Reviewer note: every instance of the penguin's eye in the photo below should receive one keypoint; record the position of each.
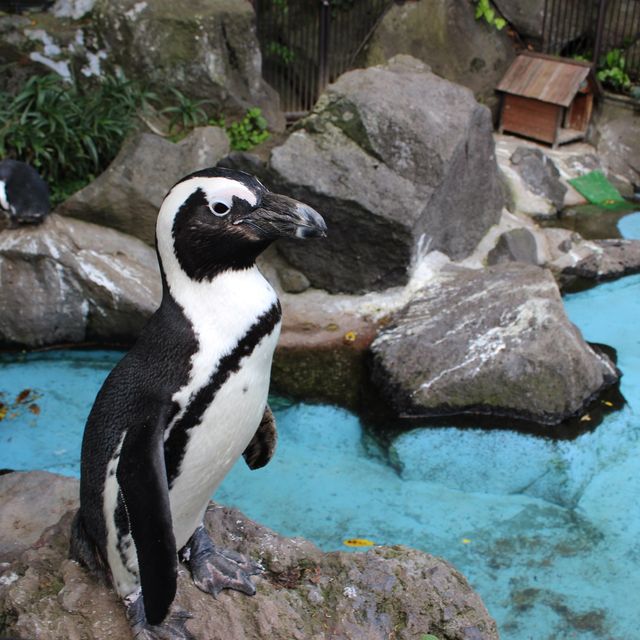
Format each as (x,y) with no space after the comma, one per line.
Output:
(220,208)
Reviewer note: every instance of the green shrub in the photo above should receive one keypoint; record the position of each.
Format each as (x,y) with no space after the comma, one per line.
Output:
(612,70)
(485,11)
(248,132)
(70,134)
(186,113)
(67,134)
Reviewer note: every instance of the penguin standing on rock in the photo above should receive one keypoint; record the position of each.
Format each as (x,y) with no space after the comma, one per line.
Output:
(187,400)
(24,195)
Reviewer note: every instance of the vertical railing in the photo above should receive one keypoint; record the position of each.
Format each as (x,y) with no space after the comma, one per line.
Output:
(306,44)
(591,28)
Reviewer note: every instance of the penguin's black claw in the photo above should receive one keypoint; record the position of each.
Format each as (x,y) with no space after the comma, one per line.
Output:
(172,628)
(215,569)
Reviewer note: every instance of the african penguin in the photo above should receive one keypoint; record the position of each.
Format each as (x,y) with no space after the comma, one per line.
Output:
(187,400)
(24,195)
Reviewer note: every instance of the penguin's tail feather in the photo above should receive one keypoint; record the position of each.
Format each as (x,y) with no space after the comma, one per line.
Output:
(82,549)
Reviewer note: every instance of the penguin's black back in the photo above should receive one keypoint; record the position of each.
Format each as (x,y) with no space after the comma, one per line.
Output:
(26,192)
(141,385)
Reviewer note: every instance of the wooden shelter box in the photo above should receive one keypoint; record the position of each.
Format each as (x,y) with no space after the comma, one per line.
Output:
(547,98)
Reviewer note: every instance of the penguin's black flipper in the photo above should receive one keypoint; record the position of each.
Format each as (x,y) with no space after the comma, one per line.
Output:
(263,444)
(143,481)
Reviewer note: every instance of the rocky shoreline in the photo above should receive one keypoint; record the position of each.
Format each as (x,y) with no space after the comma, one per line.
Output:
(303,592)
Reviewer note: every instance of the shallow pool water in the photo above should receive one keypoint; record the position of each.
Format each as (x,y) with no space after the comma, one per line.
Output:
(547,532)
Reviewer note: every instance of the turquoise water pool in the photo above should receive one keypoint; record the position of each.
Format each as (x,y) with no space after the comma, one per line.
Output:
(547,532)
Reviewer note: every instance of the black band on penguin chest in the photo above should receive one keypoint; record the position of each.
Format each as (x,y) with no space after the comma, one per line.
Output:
(176,444)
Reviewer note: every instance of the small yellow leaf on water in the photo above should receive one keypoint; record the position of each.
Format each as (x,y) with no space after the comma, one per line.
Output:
(350,336)
(585,418)
(357,542)
(3,411)
(606,403)
(466,541)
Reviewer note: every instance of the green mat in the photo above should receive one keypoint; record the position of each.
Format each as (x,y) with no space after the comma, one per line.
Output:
(598,190)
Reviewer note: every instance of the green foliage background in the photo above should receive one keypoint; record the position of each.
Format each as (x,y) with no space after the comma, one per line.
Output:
(71,134)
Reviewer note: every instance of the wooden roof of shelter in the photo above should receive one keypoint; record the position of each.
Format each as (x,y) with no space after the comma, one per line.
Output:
(546,78)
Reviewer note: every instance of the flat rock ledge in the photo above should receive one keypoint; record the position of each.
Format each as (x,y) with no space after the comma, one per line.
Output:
(68,281)
(610,260)
(305,594)
(495,342)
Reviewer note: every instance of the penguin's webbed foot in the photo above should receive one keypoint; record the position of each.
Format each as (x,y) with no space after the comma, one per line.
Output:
(172,628)
(214,569)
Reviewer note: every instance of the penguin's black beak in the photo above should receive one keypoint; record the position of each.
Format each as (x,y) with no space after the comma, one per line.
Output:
(280,216)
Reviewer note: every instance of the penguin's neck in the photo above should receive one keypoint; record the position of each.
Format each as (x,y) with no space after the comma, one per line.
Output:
(222,309)
(221,312)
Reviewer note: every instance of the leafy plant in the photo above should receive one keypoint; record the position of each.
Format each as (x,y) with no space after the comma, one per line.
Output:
(186,113)
(246,133)
(486,12)
(67,134)
(612,71)
(70,134)
(281,51)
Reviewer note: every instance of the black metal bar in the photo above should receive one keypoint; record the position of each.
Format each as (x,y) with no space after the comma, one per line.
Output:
(615,32)
(597,47)
(545,24)
(573,25)
(633,63)
(323,45)
(555,27)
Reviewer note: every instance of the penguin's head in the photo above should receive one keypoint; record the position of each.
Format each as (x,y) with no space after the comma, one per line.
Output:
(219,219)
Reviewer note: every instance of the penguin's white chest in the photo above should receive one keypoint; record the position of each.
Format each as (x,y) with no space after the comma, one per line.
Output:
(234,357)
(215,444)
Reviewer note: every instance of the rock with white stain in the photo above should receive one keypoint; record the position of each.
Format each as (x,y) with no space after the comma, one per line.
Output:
(75,9)
(395,171)
(536,177)
(71,281)
(128,195)
(540,175)
(496,342)
(303,594)
(610,259)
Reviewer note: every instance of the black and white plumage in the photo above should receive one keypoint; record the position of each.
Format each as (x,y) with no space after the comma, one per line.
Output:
(188,399)
(24,195)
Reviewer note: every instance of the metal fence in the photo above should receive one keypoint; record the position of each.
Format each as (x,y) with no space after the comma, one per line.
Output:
(308,43)
(594,29)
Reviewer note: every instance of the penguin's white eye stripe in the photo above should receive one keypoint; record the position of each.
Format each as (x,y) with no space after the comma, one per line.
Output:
(219,208)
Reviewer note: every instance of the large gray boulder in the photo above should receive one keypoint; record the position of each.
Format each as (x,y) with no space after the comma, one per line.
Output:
(206,49)
(129,193)
(525,16)
(69,281)
(540,175)
(303,594)
(445,35)
(400,162)
(536,178)
(495,341)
